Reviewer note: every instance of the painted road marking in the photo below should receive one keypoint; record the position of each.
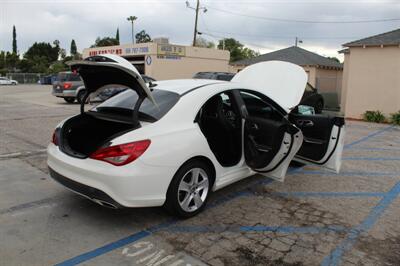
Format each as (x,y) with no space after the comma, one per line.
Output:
(330,194)
(335,256)
(148,254)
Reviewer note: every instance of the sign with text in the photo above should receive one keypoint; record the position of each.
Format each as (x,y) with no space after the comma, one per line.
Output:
(168,49)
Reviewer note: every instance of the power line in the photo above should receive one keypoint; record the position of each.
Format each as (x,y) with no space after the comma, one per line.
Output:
(281,36)
(303,21)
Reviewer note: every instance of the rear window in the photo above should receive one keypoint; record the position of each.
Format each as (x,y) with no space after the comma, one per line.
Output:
(127,99)
(68,77)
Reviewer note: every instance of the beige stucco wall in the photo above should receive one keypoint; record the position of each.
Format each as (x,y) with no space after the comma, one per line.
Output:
(345,78)
(372,81)
(328,80)
(311,73)
(196,60)
(163,66)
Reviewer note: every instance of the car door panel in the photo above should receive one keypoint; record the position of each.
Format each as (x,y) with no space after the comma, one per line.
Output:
(270,145)
(323,139)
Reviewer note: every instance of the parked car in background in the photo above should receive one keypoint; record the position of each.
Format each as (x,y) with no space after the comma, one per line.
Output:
(214,75)
(174,143)
(7,81)
(68,86)
(48,80)
(311,96)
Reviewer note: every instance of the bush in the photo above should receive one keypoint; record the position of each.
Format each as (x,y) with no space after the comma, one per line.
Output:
(395,118)
(374,116)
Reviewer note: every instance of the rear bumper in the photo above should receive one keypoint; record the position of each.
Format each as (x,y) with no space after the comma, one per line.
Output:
(133,185)
(64,93)
(91,193)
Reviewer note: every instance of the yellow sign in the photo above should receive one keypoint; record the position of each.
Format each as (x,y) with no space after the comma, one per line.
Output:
(168,49)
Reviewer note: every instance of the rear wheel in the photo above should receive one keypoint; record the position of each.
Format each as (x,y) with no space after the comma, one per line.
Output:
(80,96)
(69,99)
(189,189)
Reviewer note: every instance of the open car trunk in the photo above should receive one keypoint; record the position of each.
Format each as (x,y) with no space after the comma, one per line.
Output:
(83,134)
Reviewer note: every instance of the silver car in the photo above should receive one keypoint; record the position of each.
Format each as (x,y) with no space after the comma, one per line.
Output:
(69,86)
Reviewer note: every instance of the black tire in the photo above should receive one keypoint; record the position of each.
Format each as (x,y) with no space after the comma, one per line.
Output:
(69,99)
(172,204)
(319,106)
(80,96)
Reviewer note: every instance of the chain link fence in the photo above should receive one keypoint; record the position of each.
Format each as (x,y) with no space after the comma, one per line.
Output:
(26,78)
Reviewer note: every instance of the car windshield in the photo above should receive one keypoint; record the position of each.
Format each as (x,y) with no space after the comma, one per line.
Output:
(125,102)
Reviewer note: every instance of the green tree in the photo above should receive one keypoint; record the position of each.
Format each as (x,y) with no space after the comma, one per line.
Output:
(334,59)
(202,42)
(8,62)
(142,37)
(40,56)
(14,41)
(106,41)
(236,49)
(117,36)
(45,50)
(73,49)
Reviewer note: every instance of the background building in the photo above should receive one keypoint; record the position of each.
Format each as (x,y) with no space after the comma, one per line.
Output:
(323,73)
(162,60)
(371,77)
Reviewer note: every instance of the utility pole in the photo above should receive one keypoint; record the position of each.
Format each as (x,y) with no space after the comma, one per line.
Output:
(195,23)
(297,41)
(197,16)
(132,19)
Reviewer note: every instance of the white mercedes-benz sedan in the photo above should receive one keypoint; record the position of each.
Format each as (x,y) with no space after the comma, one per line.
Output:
(173,142)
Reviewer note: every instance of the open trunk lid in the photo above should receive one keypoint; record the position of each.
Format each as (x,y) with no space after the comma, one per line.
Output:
(107,69)
(281,81)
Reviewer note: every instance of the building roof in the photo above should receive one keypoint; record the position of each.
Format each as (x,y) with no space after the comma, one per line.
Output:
(295,55)
(387,38)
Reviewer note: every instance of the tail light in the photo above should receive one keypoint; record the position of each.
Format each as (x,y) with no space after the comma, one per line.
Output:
(54,139)
(67,85)
(121,154)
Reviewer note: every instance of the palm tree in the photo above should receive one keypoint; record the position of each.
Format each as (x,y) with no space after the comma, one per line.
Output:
(132,19)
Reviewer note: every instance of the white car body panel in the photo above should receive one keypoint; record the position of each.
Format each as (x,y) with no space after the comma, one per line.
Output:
(283,82)
(175,139)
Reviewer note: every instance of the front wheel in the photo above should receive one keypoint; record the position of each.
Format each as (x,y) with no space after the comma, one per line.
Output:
(189,189)
(69,99)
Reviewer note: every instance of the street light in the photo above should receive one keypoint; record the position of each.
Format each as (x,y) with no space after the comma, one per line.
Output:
(132,19)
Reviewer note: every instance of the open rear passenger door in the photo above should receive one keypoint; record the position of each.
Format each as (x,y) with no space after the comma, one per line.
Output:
(270,145)
(323,140)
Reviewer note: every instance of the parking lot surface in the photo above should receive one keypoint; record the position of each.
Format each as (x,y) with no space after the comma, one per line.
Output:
(314,218)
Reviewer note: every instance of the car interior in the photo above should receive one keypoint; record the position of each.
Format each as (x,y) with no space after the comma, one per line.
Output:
(220,121)
(317,133)
(264,130)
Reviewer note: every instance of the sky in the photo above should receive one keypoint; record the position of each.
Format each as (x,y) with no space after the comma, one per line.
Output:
(247,21)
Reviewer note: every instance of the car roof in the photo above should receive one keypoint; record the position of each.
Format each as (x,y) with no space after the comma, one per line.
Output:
(182,86)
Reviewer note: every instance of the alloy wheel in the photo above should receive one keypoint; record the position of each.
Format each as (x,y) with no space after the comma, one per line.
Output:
(193,189)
